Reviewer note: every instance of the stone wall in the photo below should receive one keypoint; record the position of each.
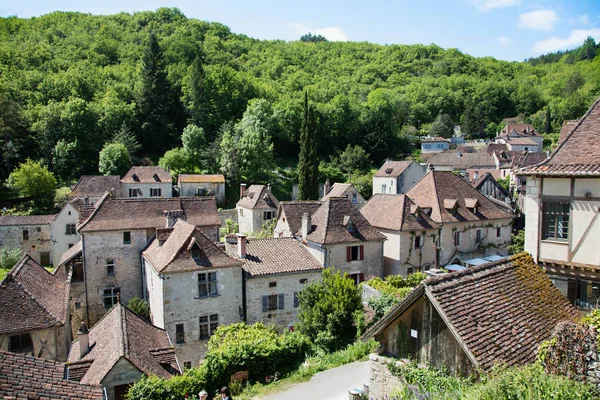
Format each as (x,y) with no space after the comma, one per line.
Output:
(228,214)
(39,239)
(381,380)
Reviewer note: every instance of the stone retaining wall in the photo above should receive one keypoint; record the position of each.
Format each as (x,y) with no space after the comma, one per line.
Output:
(381,380)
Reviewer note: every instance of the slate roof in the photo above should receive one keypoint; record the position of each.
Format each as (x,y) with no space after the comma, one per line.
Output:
(94,186)
(458,160)
(189,178)
(258,196)
(393,168)
(32,298)
(275,256)
(438,189)
(122,334)
(122,214)
(294,210)
(396,212)
(174,255)
(27,377)
(578,154)
(522,130)
(328,224)
(150,174)
(499,312)
(16,220)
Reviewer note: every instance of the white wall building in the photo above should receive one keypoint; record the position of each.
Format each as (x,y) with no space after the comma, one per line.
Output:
(397,177)
(147,182)
(63,231)
(256,206)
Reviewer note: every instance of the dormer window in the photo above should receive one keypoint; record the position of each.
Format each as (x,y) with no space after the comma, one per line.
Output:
(135,178)
(450,205)
(472,204)
(195,252)
(388,171)
(348,224)
(156,178)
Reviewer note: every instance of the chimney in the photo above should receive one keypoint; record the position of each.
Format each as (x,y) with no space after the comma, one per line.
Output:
(242,189)
(231,238)
(241,245)
(84,340)
(306,225)
(269,187)
(326,187)
(430,168)
(86,200)
(172,216)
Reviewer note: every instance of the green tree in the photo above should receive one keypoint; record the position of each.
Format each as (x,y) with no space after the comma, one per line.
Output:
(9,257)
(517,242)
(176,161)
(328,310)
(308,165)
(31,179)
(114,159)
(196,100)
(442,126)
(140,307)
(309,37)
(230,227)
(64,160)
(229,154)
(354,158)
(126,137)
(255,147)
(194,143)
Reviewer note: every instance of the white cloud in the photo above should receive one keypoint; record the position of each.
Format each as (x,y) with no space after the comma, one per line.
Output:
(541,20)
(576,38)
(584,19)
(485,5)
(332,33)
(504,40)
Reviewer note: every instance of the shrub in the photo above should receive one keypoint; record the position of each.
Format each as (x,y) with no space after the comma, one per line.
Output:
(140,307)
(426,382)
(9,257)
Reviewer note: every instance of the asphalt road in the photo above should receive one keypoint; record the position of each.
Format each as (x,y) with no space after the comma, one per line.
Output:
(332,384)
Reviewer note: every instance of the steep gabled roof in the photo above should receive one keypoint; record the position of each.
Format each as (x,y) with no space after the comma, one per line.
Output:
(522,130)
(175,254)
(499,312)
(23,220)
(338,190)
(566,128)
(258,196)
(71,253)
(393,169)
(441,190)
(294,210)
(489,177)
(151,174)
(396,212)
(94,186)
(32,298)
(122,334)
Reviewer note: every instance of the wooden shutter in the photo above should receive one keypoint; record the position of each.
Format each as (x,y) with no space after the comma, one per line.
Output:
(265,303)
(349,253)
(361,277)
(281,297)
(362,252)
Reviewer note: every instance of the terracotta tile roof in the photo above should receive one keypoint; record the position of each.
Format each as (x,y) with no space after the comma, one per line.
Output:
(396,212)
(294,210)
(523,130)
(121,334)
(500,311)
(329,224)
(27,377)
(275,256)
(438,189)
(94,186)
(187,178)
(121,214)
(578,154)
(526,159)
(12,220)
(522,141)
(393,168)
(175,255)
(258,196)
(32,298)
(147,175)
(71,253)
(456,160)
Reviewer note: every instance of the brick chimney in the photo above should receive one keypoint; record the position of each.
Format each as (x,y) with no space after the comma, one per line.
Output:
(242,189)
(241,245)
(84,340)
(306,225)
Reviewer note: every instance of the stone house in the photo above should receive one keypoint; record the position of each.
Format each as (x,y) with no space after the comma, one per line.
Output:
(147,182)
(71,265)
(520,137)
(434,144)
(397,176)
(489,187)
(34,312)
(275,270)
(118,351)
(348,191)
(192,287)
(561,207)
(27,377)
(90,188)
(461,161)
(474,319)
(202,185)
(114,236)
(257,205)
(411,235)
(289,216)
(30,233)
(63,230)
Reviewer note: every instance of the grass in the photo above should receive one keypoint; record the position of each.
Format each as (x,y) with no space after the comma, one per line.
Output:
(3,273)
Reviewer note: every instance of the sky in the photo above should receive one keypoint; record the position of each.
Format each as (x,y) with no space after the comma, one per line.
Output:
(510,30)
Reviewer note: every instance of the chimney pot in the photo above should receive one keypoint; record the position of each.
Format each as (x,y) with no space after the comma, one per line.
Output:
(326,187)
(269,187)
(242,189)
(84,340)
(241,245)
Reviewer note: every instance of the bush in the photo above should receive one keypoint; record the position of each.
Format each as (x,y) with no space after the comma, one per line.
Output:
(9,257)
(426,382)
(140,307)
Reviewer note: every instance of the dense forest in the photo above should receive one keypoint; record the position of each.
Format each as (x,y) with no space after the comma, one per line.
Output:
(198,97)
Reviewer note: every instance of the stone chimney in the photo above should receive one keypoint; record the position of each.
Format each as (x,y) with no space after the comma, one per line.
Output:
(326,187)
(241,245)
(269,187)
(84,340)
(86,200)
(306,225)
(231,238)
(242,189)
(172,216)
(430,168)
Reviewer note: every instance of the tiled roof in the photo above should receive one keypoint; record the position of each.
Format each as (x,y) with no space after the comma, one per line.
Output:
(275,256)
(187,178)
(340,190)
(94,186)
(258,196)
(493,147)
(32,298)
(71,253)
(174,255)
(122,334)
(566,128)
(294,210)
(393,168)
(458,160)
(27,377)
(488,177)
(121,214)
(12,220)
(500,311)
(526,159)
(147,175)
(396,212)
(522,141)
(523,130)
(578,154)
(434,139)
(438,189)
(329,224)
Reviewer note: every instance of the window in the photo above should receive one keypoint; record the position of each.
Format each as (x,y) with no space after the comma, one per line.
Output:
(456,236)
(179,334)
(357,278)
(187,365)
(133,193)
(273,302)
(207,284)
(383,189)
(296,300)
(355,253)
(208,325)
(272,284)
(110,266)
(409,270)
(77,275)
(20,343)
(268,215)
(45,258)
(195,252)
(154,192)
(303,281)
(70,229)
(354,198)
(556,220)
(25,234)
(499,231)
(111,297)
(127,237)
(241,212)
(478,236)
(418,242)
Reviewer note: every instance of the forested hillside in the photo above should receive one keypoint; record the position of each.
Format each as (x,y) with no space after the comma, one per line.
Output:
(70,83)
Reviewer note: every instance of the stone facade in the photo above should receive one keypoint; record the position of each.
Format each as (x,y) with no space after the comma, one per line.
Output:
(34,240)
(51,344)
(400,255)
(252,220)
(120,377)
(146,190)
(189,189)
(336,255)
(399,184)
(381,381)
(63,233)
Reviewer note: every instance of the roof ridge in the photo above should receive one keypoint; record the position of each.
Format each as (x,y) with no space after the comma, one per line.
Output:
(124,339)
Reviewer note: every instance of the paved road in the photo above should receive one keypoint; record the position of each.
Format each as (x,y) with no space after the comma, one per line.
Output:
(328,385)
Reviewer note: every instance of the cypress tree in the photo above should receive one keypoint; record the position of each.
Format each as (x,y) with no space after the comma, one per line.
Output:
(196,99)
(547,126)
(308,165)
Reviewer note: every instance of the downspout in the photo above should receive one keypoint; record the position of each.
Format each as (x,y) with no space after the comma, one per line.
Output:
(244,305)
(540,216)
(87,305)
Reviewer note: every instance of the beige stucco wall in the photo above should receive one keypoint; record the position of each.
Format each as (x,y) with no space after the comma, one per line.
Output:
(11,237)
(400,254)
(60,241)
(165,187)
(402,183)
(51,344)
(190,190)
(252,220)
(335,255)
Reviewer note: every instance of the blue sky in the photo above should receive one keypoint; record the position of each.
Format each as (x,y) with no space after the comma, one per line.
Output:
(504,29)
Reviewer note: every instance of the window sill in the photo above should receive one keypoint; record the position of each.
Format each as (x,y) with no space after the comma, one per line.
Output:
(206,297)
(556,241)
